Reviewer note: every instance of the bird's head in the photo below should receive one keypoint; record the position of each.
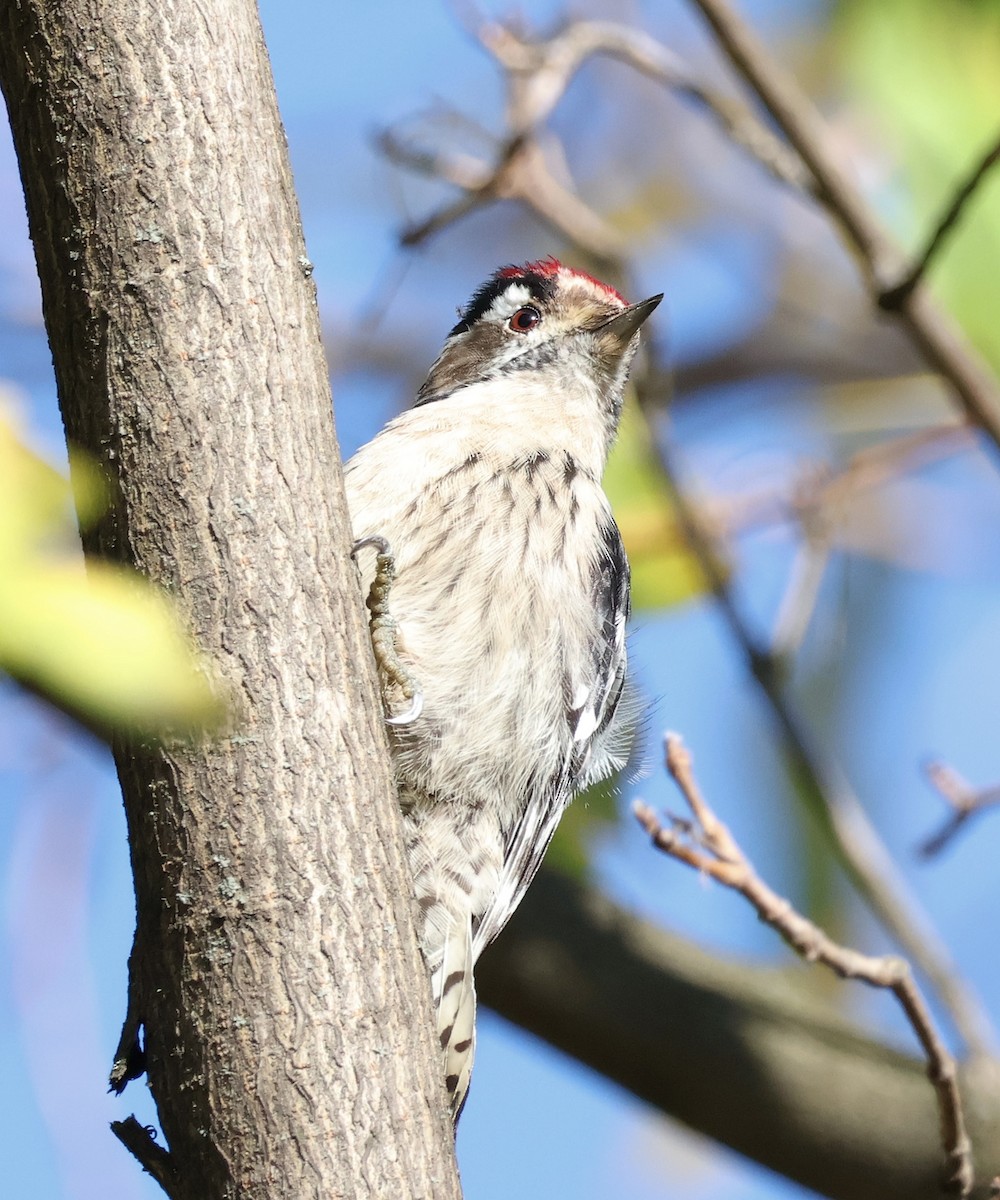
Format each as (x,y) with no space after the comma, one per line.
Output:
(542,322)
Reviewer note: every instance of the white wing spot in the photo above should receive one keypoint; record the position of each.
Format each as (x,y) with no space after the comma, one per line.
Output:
(586,725)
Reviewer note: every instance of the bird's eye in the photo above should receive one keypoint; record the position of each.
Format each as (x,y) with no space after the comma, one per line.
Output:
(524,319)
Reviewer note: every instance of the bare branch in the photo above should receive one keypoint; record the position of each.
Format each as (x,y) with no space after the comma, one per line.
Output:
(715,1042)
(537,75)
(894,296)
(544,70)
(857,844)
(942,344)
(710,848)
(963,799)
(822,489)
(463,171)
(519,172)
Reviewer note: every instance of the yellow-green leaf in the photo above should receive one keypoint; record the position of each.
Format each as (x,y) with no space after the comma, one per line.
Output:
(591,814)
(34,499)
(103,644)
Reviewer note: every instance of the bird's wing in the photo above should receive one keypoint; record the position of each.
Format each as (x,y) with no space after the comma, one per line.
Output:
(592,688)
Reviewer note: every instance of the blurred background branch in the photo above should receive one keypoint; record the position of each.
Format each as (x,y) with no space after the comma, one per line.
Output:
(744,1054)
(936,335)
(962,798)
(949,219)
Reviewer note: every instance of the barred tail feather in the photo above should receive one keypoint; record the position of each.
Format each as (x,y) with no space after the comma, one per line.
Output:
(454,992)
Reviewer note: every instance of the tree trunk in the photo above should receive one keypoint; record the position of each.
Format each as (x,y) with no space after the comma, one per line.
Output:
(285,1008)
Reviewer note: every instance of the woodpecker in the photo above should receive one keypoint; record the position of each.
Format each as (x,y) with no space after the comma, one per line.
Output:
(500,601)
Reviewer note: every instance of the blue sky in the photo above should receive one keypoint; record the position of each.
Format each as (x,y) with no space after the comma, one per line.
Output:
(901,662)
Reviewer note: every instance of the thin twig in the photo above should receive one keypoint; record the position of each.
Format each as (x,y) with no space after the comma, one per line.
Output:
(802,590)
(545,69)
(130,1059)
(537,75)
(155,1160)
(711,849)
(942,344)
(893,297)
(519,172)
(830,797)
(962,798)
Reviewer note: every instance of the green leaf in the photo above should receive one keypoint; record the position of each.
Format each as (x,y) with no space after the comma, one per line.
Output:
(34,499)
(102,644)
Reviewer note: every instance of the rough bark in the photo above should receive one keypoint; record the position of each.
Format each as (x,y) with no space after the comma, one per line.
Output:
(288,1034)
(738,1052)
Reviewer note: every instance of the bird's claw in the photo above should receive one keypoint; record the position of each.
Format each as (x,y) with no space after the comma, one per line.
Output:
(373,540)
(382,626)
(408,715)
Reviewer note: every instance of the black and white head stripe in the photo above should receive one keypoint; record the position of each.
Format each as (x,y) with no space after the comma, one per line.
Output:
(521,319)
(504,293)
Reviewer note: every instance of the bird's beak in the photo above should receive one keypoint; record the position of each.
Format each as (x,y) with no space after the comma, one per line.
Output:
(623,326)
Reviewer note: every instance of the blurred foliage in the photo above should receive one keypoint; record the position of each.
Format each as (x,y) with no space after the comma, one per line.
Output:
(930,70)
(102,644)
(596,811)
(664,572)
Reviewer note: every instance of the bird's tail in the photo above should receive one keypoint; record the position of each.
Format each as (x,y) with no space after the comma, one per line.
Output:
(454,992)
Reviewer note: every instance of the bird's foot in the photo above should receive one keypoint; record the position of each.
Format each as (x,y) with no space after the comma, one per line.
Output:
(382,625)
